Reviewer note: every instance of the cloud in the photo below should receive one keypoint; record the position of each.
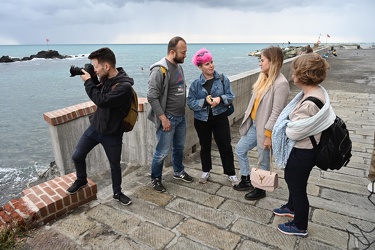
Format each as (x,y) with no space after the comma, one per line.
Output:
(150,21)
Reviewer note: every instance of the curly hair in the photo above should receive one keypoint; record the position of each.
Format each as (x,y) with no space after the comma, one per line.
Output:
(310,69)
(276,57)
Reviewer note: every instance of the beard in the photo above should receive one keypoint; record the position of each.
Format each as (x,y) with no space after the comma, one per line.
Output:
(178,60)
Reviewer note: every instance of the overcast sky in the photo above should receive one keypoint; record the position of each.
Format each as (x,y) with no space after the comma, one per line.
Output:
(198,21)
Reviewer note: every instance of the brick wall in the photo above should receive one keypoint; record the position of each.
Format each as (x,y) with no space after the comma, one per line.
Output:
(45,202)
(67,114)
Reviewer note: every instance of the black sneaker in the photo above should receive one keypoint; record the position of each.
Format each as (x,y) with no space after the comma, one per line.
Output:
(156,183)
(77,185)
(184,177)
(255,194)
(123,199)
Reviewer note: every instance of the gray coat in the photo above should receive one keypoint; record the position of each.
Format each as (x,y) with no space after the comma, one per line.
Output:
(270,106)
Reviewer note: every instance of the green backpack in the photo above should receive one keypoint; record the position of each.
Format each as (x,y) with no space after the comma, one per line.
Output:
(130,117)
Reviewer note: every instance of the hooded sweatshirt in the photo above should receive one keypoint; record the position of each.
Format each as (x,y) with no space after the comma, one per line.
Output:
(113,102)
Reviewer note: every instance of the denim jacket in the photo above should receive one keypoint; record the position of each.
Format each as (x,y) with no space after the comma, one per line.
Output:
(197,96)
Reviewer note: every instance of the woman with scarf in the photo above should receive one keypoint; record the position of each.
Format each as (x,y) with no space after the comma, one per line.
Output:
(269,97)
(290,139)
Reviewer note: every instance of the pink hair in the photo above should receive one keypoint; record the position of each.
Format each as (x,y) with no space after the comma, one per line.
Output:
(202,56)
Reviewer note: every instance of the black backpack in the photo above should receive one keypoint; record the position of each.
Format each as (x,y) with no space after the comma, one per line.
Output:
(334,148)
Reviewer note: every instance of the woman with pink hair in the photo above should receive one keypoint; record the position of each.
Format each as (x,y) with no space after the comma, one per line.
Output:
(209,97)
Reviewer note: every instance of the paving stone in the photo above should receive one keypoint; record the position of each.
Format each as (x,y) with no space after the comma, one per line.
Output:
(229,192)
(152,235)
(338,207)
(308,244)
(184,243)
(281,192)
(74,225)
(218,217)
(247,244)
(247,211)
(154,213)
(209,234)
(265,234)
(327,235)
(270,203)
(149,194)
(105,237)
(194,195)
(341,222)
(48,238)
(347,198)
(362,179)
(210,187)
(114,218)
(350,171)
(339,185)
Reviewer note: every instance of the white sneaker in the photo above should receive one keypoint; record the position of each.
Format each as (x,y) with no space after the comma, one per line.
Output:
(233,179)
(205,176)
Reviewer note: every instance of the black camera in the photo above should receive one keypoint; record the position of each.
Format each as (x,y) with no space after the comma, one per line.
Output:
(75,71)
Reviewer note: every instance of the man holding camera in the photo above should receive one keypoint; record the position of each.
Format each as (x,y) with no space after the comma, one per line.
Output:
(114,92)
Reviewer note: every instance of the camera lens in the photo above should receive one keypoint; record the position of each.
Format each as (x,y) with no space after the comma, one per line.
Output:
(74,71)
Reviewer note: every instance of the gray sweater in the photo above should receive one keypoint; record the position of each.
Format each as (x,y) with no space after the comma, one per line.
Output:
(158,91)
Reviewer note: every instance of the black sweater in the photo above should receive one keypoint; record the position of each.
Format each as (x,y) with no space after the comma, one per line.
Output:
(109,99)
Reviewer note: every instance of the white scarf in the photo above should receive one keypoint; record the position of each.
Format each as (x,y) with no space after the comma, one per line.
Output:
(281,144)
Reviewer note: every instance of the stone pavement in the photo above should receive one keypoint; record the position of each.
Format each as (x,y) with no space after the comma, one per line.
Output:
(214,216)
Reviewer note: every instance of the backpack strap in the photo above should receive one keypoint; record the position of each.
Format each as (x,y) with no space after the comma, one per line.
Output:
(320,105)
(164,72)
(314,100)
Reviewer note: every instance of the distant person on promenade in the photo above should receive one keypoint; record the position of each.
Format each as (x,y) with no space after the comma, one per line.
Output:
(209,96)
(107,127)
(309,49)
(269,97)
(167,97)
(291,143)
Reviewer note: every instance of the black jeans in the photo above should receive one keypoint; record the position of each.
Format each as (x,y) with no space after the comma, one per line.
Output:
(297,173)
(219,127)
(112,146)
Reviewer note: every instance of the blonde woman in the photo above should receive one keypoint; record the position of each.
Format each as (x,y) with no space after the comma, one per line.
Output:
(270,94)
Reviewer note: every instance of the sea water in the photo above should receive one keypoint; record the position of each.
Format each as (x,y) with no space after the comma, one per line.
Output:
(31,88)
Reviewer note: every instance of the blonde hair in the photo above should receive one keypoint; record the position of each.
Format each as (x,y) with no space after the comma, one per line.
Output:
(310,69)
(276,58)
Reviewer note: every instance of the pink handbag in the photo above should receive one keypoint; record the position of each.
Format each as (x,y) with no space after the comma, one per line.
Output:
(264,179)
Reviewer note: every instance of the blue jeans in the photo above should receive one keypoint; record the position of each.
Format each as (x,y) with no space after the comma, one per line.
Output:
(175,137)
(112,146)
(247,143)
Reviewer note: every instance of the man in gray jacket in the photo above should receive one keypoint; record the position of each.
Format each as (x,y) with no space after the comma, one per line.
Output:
(167,97)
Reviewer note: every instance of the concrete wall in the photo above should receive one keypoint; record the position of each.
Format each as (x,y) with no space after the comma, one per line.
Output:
(68,124)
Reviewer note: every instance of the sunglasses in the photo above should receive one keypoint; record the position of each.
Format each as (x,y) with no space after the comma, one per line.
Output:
(202,54)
